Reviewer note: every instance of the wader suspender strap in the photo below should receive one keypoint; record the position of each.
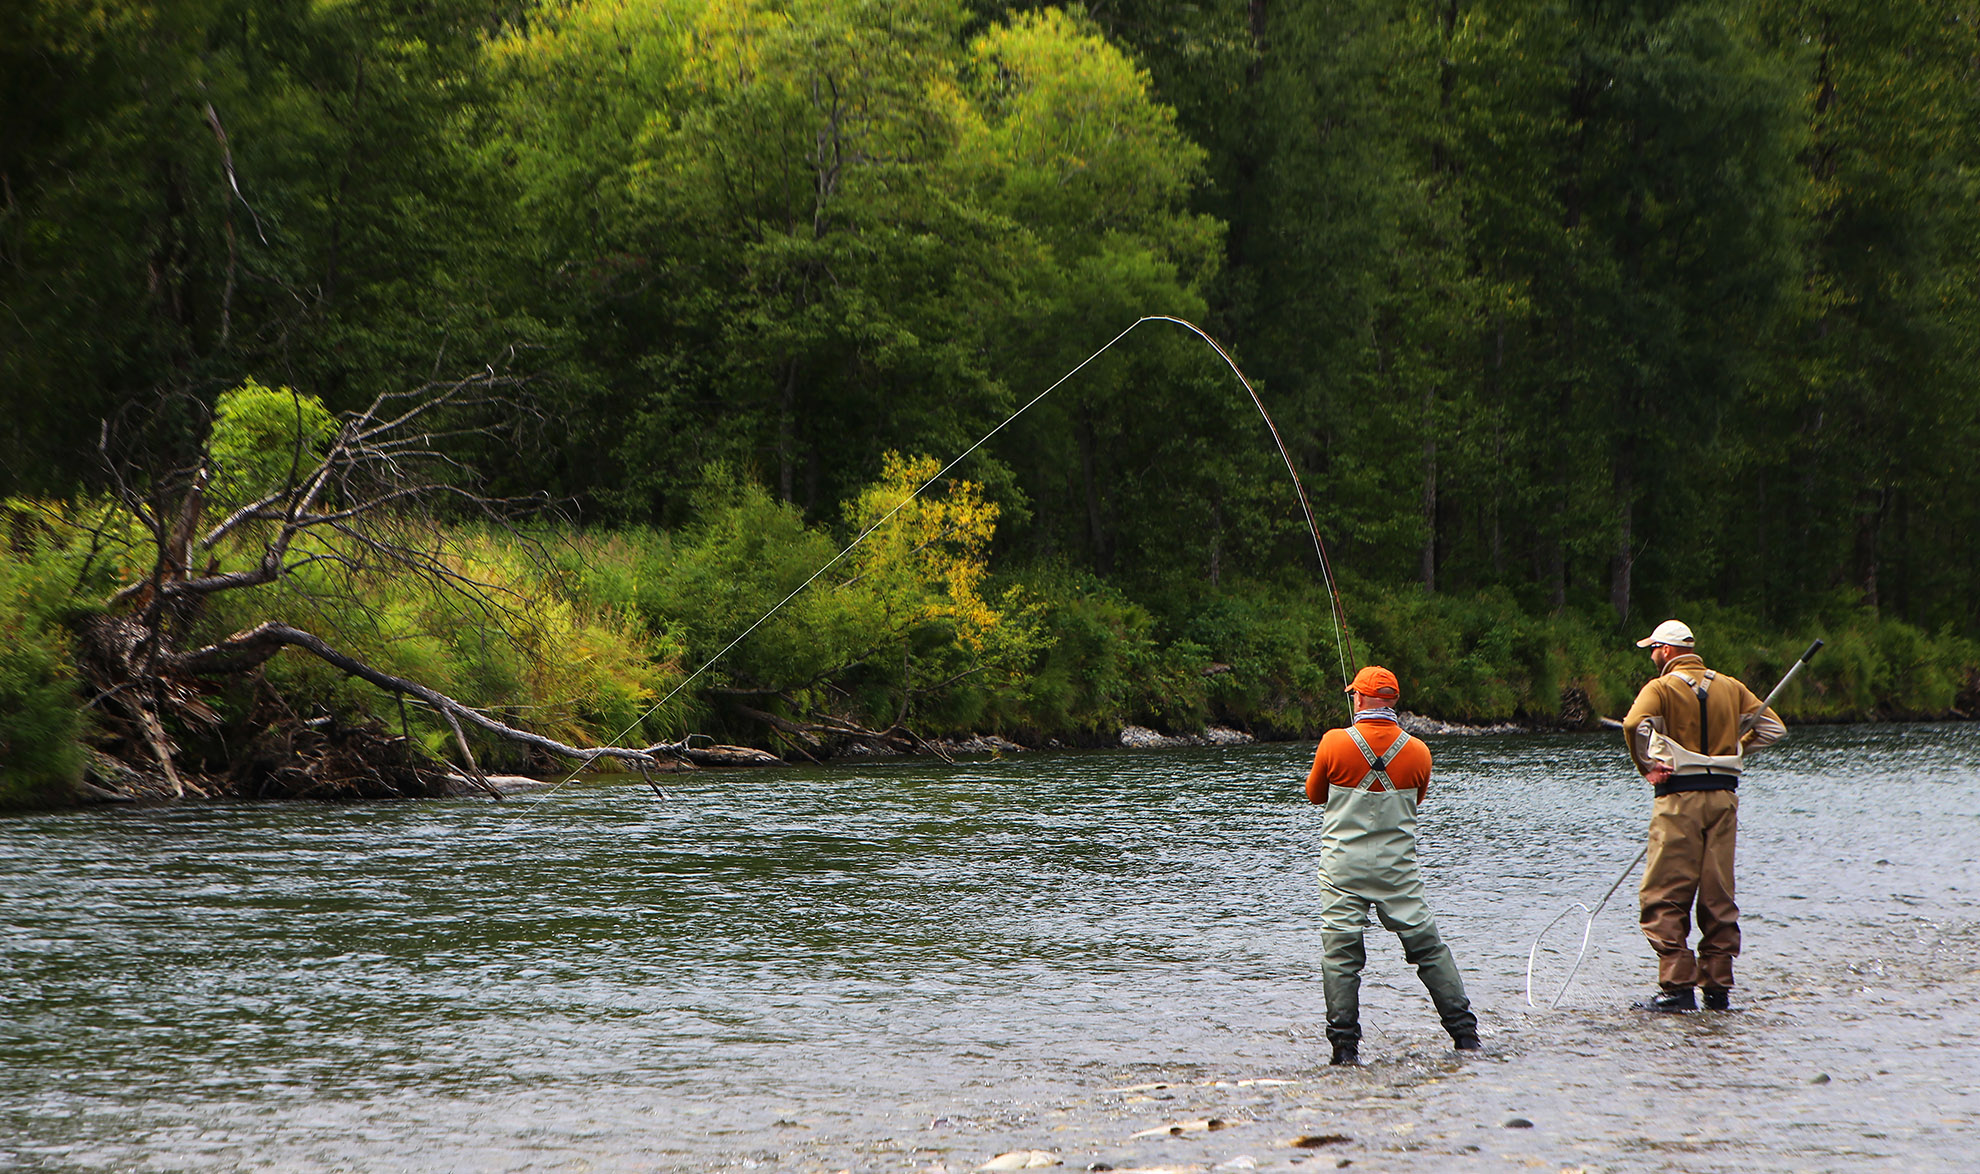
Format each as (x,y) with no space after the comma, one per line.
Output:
(1701,688)
(1378,764)
(1714,776)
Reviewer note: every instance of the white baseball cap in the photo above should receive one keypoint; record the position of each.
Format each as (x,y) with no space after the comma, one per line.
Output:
(1670,632)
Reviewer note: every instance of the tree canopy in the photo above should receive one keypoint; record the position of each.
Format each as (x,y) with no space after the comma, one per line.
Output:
(1605,309)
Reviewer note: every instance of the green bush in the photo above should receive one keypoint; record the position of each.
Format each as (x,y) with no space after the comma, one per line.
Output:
(1480,659)
(1098,665)
(1463,658)
(900,625)
(41,718)
(576,634)
(1283,661)
(706,585)
(263,439)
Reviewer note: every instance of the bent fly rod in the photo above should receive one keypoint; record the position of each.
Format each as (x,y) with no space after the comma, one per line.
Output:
(1343,643)
(1746,723)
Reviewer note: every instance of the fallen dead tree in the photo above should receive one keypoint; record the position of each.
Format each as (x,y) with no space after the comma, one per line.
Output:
(245,651)
(359,494)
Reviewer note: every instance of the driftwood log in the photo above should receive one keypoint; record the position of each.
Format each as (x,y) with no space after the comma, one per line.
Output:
(817,732)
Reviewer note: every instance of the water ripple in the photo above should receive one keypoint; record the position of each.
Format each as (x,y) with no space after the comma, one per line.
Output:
(908,966)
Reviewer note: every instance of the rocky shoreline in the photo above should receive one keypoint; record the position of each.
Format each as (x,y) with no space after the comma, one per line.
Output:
(451,783)
(1137,737)
(1131,737)
(1143,738)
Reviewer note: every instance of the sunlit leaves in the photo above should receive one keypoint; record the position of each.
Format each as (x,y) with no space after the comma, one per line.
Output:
(938,541)
(264,439)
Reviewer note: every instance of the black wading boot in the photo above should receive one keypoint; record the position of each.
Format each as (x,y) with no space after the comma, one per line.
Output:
(1466,1041)
(1682,999)
(1718,998)
(1345,1054)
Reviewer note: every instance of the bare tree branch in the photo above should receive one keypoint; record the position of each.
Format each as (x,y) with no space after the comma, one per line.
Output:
(253,647)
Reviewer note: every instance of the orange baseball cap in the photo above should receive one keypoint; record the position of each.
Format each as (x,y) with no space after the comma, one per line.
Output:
(1375,681)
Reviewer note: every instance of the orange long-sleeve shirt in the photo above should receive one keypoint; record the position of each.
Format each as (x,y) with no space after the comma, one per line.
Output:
(1338,762)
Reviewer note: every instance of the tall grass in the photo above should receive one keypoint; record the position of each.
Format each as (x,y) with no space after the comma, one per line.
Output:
(500,621)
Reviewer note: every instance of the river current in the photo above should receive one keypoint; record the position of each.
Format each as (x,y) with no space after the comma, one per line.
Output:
(1110,958)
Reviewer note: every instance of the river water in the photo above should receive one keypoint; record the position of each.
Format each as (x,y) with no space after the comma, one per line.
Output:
(909,966)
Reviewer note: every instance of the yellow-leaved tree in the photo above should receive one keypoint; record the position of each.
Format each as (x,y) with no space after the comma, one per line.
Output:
(917,581)
(876,649)
(927,555)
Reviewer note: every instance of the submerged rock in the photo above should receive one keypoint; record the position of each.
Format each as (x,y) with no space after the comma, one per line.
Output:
(1022,1160)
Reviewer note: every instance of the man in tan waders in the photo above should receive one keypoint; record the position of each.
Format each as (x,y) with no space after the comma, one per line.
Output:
(1371,776)
(1689,732)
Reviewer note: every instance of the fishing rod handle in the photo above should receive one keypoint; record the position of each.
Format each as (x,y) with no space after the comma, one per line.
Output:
(1792,670)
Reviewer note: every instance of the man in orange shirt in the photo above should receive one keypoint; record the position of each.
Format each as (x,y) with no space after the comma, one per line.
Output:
(1371,776)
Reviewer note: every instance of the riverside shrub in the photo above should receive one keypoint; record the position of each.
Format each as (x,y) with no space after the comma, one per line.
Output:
(903,625)
(1099,664)
(41,717)
(576,633)
(41,757)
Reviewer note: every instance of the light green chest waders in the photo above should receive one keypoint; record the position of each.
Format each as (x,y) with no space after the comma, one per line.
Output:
(1368,847)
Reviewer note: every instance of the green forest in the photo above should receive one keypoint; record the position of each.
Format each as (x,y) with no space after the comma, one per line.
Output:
(526,352)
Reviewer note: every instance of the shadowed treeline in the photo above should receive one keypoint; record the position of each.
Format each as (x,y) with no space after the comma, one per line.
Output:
(1575,315)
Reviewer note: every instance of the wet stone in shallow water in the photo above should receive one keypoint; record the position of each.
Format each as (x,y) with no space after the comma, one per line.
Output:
(1022,1160)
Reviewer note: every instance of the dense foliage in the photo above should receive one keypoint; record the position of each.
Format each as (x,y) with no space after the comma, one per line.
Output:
(1575,315)
(41,756)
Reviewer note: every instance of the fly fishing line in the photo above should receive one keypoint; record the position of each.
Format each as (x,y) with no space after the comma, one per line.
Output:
(1343,647)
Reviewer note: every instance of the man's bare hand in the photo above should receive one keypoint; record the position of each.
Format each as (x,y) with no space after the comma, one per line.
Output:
(1657,773)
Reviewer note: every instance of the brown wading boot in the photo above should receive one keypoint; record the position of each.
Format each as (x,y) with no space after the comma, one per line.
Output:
(1681,999)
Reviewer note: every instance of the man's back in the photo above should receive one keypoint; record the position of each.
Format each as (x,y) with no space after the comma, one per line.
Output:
(1338,762)
(1673,697)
